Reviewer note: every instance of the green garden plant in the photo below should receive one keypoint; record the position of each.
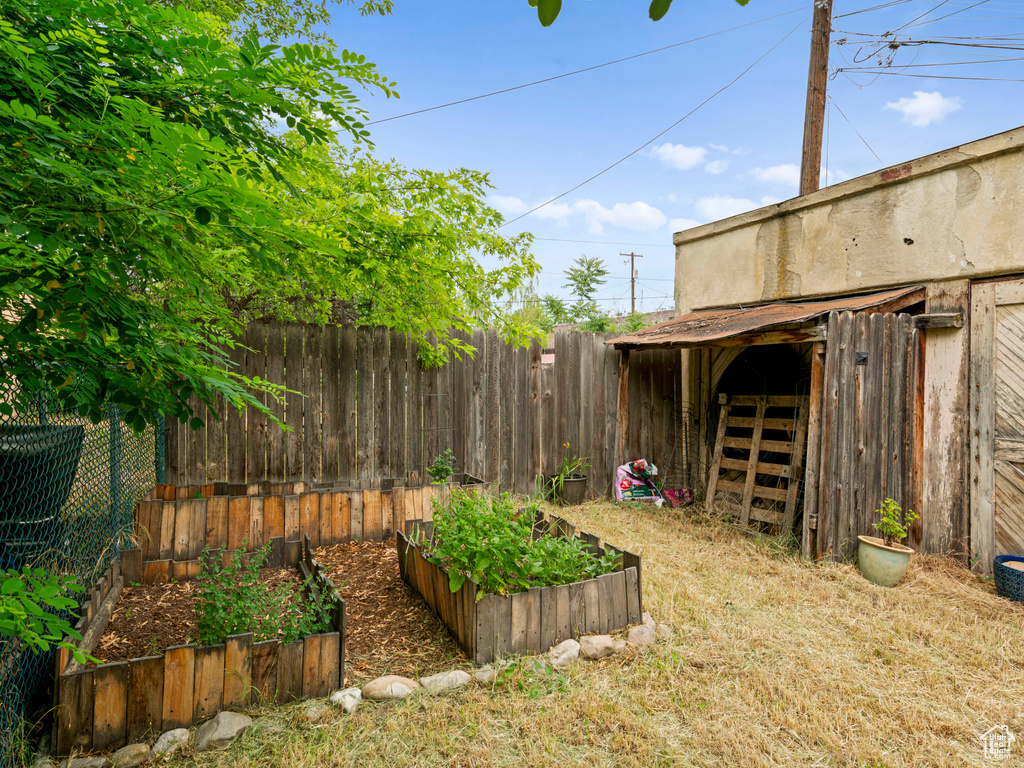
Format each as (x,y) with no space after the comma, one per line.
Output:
(488,540)
(232,600)
(571,465)
(894,523)
(442,467)
(34,607)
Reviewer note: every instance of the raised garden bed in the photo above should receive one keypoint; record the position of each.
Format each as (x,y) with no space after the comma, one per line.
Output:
(173,528)
(531,621)
(110,705)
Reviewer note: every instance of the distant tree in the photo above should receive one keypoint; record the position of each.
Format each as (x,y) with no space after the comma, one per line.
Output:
(548,10)
(585,276)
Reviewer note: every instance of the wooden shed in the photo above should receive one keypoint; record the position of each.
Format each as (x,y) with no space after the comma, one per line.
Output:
(868,343)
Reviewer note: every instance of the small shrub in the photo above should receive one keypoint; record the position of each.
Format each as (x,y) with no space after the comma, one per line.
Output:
(894,523)
(489,541)
(442,467)
(231,600)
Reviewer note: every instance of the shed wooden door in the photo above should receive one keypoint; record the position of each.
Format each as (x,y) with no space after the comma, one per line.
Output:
(871,427)
(997,415)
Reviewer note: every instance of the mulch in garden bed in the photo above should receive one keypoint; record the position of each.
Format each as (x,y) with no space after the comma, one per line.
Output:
(391,630)
(149,618)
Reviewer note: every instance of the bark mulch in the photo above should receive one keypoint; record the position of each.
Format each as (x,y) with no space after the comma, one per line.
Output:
(391,630)
(149,618)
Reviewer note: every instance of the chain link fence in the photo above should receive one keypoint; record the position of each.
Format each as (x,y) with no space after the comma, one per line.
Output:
(68,488)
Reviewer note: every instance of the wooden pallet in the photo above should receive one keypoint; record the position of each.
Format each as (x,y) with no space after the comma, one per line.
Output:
(754,445)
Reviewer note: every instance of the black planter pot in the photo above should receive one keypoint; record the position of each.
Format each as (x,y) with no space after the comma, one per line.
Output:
(571,491)
(38,465)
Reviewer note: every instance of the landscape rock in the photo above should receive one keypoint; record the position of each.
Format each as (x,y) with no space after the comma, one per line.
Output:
(486,674)
(665,632)
(600,646)
(648,619)
(44,761)
(641,635)
(389,687)
(220,731)
(445,681)
(314,711)
(564,654)
(131,755)
(347,700)
(85,762)
(171,741)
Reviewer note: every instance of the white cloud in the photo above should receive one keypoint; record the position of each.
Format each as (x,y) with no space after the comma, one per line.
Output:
(770,200)
(514,206)
(679,156)
(787,174)
(719,147)
(716,166)
(507,204)
(678,225)
(723,206)
(638,216)
(925,108)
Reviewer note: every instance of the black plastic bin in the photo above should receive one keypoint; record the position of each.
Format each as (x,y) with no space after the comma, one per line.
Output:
(37,470)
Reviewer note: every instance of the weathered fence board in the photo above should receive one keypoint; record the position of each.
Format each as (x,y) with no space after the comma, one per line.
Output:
(362,409)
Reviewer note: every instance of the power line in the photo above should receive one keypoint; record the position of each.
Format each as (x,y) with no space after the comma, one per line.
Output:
(946,77)
(604,242)
(581,71)
(855,130)
(662,133)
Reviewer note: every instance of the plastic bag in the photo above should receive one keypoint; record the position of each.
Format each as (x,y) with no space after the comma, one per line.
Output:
(633,482)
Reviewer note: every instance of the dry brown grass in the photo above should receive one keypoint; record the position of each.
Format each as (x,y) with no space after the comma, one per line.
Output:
(776,662)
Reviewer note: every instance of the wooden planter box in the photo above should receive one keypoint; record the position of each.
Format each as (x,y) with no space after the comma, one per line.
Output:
(120,703)
(531,621)
(173,529)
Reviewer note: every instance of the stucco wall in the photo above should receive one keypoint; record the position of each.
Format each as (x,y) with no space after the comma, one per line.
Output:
(954,214)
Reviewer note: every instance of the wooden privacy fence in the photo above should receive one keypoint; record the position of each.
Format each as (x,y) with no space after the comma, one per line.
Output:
(363,409)
(110,705)
(870,442)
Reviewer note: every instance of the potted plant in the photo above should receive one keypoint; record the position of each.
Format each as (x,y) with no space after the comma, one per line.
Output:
(883,561)
(442,467)
(569,484)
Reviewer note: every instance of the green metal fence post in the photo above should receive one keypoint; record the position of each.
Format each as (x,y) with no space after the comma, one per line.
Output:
(116,510)
(160,444)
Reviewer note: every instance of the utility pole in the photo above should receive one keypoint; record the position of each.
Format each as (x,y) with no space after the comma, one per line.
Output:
(632,279)
(814,112)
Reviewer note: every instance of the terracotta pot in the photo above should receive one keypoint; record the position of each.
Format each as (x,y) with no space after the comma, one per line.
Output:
(880,563)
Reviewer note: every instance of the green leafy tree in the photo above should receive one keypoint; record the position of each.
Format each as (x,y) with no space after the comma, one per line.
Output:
(548,10)
(273,20)
(585,276)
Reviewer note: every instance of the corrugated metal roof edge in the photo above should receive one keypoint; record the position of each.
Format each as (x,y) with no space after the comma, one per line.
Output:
(785,313)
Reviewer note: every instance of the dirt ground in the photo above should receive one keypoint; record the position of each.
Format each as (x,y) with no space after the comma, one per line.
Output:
(774,661)
(152,617)
(391,630)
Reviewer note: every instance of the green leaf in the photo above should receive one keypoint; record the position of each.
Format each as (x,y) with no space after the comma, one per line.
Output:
(455,581)
(203,215)
(548,10)
(659,8)
(12,586)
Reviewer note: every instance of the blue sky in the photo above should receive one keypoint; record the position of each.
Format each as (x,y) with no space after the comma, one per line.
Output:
(737,152)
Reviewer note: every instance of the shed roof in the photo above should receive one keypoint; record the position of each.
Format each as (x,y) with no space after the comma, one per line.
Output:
(714,326)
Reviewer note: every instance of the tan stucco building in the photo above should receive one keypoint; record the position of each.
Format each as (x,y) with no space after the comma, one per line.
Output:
(949,228)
